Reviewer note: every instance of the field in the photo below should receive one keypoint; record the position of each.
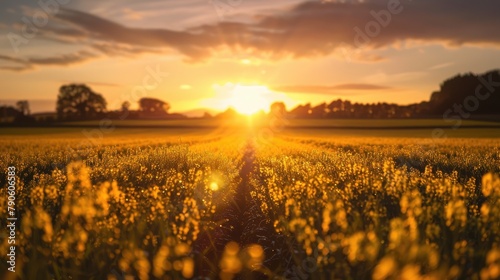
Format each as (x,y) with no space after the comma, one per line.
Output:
(298,123)
(302,203)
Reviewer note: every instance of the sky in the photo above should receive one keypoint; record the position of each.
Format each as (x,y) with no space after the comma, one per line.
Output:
(220,53)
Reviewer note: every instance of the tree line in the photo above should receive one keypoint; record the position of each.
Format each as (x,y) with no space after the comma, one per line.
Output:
(459,96)
(80,102)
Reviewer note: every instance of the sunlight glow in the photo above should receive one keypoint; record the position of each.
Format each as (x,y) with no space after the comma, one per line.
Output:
(246,99)
(249,99)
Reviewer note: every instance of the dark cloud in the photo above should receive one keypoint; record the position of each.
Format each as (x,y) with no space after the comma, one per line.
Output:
(65,59)
(113,49)
(327,89)
(16,68)
(10,59)
(101,30)
(31,63)
(306,30)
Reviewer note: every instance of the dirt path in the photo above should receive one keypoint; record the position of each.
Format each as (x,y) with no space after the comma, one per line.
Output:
(229,217)
(240,220)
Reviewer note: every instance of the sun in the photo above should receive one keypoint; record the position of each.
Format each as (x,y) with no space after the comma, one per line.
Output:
(246,99)
(249,99)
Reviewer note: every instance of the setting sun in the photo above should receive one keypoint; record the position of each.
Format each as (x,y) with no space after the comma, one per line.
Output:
(246,99)
(249,99)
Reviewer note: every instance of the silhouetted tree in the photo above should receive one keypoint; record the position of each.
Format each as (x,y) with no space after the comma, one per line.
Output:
(301,111)
(318,111)
(153,107)
(230,113)
(461,89)
(8,114)
(335,108)
(24,107)
(125,106)
(79,102)
(278,109)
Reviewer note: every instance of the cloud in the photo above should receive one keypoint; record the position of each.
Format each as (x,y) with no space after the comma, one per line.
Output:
(31,63)
(359,87)
(10,59)
(16,68)
(442,65)
(126,50)
(132,14)
(383,77)
(309,29)
(65,59)
(320,89)
(105,31)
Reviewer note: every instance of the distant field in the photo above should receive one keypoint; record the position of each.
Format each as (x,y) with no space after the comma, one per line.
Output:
(398,123)
(28,134)
(292,123)
(402,133)
(307,128)
(153,123)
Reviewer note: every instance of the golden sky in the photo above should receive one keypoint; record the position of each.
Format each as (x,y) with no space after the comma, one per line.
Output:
(194,53)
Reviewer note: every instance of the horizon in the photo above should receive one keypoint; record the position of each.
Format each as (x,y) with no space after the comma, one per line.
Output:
(49,105)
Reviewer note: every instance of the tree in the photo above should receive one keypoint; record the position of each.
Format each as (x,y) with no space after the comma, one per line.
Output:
(230,113)
(278,109)
(8,114)
(24,107)
(125,106)
(318,111)
(79,101)
(301,111)
(153,107)
(467,94)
